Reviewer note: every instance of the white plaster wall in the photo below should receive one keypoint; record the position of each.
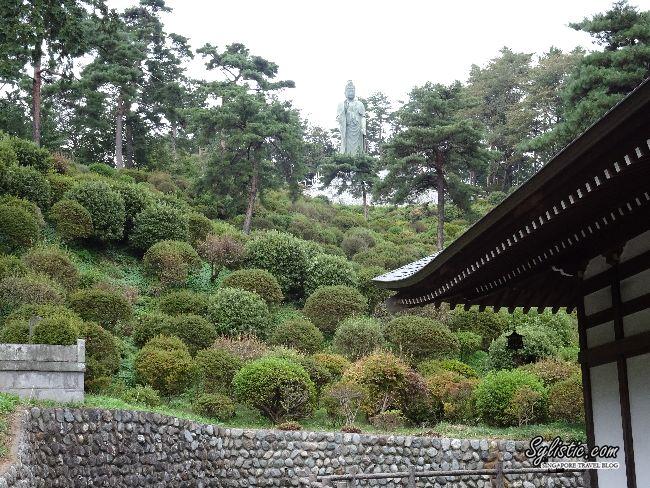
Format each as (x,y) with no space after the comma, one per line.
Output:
(638,372)
(601,334)
(636,323)
(596,266)
(608,428)
(635,246)
(598,301)
(635,286)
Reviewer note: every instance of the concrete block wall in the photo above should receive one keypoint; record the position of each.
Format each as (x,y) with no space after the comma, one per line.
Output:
(43,372)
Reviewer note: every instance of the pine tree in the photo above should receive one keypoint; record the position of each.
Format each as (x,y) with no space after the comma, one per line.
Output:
(356,174)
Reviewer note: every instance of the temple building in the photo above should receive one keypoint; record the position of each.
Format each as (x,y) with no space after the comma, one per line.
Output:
(576,235)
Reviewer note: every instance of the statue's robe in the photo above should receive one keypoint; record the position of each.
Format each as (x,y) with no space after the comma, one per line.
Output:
(351,116)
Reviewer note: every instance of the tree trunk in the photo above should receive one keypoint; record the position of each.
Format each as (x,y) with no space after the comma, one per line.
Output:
(252,196)
(36,98)
(119,122)
(364,194)
(440,189)
(129,145)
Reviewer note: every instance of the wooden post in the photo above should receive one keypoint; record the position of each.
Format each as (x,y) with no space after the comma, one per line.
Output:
(411,480)
(500,478)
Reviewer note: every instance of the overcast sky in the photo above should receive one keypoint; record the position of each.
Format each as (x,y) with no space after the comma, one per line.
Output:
(387,45)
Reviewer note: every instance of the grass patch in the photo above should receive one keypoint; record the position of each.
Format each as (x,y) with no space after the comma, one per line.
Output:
(8,405)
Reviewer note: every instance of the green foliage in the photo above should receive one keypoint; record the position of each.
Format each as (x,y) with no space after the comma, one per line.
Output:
(27,183)
(495,392)
(55,330)
(102,352)
(71,219)
(215,405)
(434,366)
(195,331)
(158,223)
(55,263)
(136,198)
(106,208)
(31,207)
(357,239)
(106,307)
(29,289)
(171,262)
(343,400)
(217,368)
(283,255)
(358,336)
(368,288)
(148,325)
(418,338)
(258,281)
(233,311)
(538,344)
(487,324)
(244,346)
(144,395)
(566,400)
(469,342)
(388,420)
(184,302)
(59,185)
(328,270)
(19,229)
(336,364)
(11,266)
(330,305)
(165,364)
(199,227)
(297,333)
(456,393)
(280,389)
(29,154)
(552,370)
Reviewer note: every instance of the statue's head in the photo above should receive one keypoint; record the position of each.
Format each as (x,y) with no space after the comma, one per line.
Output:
(349,90)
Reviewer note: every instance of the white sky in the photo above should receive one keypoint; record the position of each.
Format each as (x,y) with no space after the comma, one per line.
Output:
(382,44)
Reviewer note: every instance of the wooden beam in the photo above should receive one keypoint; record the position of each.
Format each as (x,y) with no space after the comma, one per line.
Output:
(627,308)
(626,269)
(625,348)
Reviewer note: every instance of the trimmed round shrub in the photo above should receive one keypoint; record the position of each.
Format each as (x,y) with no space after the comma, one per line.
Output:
(487,324)
(199,227)
(102,352)
(552,370)
(27,183)
(162,182)
(136,199)
(106,208)
(495,392)
(318,373)
(108,308)
(29,154)
(385,378)
(234,312)
(297,333)
(16,326)
(215,405)
(358,336)
(29,289)
(144,395)
(326,270)
(11,266)
(283,255)
(71,220)
(246,347)
(469,342)
(102,169)
(434,366)
(561,327)
(369,289)
(336,364)
(184,302)
(14,332)
(60,185)
(158,223)
(165,364)
(388,420)
(195,331)
(419,405)
(257,281)
(330,305)
(566,401)
(418,338)
(147,326)
(343,400)
(7,153)
(19,229)
(56,330)
(217,368)
(171,262)
(357,239)
(31,207)
(280,389)
(538,344)
(55,263)
(456,393)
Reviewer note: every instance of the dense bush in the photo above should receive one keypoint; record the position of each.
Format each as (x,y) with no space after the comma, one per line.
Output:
(456,393)
(283,255)
(183,302)
(171,262)
(195,331)
(538,344)
(257,281)
(106,208)
(326,270)
(19,229)
(385,378)
(297,333)
(343,400)
(487,324)
(148,325)
(388,420)
(221,251)
(234,312)
(419,405)
(29,289)
(215,405)
(162,182)
(165,364)
(418,338)
(368,288)
(561,327)
(496,391)
(29,154)
(27,183)
(552,370)
(158,223)
(434,366)
(336,364)
(358,336)
(108,308)
(565,400)
(11,266)
(71,220)
(55,263)
(31,207)
(56,330)
(280,389)
(136,199)
(357,239)
(144,395)
(243,346)
(199,227)
(330,305)
(469,342)
(102,352)
(217,368)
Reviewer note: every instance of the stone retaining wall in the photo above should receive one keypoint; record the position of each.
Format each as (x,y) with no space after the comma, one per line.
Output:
(84,448)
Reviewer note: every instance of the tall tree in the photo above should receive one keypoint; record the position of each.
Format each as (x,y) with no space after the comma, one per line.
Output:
(44,35)
(435,148)
(356,174)
(379,115)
